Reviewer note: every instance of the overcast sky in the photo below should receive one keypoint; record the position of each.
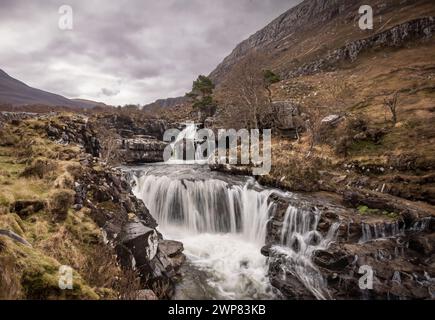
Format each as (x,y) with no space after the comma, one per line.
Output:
(125,51)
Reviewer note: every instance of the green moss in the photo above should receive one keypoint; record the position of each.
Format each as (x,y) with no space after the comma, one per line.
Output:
(364,210)
(12,222)
(364,148)
(83,227)
(9,166)
(39,275)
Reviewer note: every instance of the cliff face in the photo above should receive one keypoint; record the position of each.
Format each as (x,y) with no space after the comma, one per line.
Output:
(313,26)
(297,19)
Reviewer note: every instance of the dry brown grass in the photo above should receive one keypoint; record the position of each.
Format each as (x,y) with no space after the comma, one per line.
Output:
(59,203)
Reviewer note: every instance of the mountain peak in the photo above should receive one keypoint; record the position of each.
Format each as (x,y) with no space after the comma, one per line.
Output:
(16,93)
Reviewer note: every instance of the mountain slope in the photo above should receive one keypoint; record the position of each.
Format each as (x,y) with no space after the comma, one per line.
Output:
(17,93)
(165,103)
(314,27)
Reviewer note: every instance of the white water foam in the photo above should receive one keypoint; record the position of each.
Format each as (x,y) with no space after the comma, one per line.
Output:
(222,228)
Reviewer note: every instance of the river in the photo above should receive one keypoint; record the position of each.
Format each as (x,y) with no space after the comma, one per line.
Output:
(221,220)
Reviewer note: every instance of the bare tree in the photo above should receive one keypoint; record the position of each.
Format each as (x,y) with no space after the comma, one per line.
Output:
(246,91)
(313,125)
(391,105)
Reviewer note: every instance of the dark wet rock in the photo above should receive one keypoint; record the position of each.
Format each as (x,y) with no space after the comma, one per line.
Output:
(170,247)
(286,282)
(129,227)
(127,127)
(332,261)
(285,120)
(385,202)
(397,248)
(25,208)
(423,244)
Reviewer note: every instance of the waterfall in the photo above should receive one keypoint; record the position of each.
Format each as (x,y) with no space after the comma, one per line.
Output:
(379,231)
(186,142)
(222,222)
(209,206)
(222,226)
(299,240)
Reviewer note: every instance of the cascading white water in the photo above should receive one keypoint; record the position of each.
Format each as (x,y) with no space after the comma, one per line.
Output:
(379,231)
(222,227)
(184,148)
(209,206)
(300,239)
(222,220)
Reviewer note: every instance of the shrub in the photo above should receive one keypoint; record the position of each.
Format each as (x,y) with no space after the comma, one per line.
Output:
(39,167)
(8,139)
(60,201)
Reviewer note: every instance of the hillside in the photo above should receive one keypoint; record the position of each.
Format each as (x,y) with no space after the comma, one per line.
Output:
(314,27)
(164,104)
(17,93)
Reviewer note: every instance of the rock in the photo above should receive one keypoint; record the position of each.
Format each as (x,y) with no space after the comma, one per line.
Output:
(265,250)
(171,248)
(331,261)
(25,208)
(141,149)
(417,29)
(146,295)
(12,235)
(286,282)
(423,244)
(331,120)
(141,240)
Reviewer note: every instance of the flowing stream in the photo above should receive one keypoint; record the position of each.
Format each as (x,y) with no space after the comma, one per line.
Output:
(222,220)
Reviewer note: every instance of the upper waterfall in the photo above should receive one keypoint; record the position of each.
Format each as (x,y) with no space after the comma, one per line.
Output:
(206,206)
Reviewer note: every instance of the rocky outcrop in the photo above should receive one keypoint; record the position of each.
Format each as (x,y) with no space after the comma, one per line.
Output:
(128,127)
(398,248)
(129,228)
(75,129)
(410,31)
(141,149)
(11,117)
(287,119)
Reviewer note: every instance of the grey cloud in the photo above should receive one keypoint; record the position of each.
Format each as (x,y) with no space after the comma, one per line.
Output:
(144,49)
(109,92)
